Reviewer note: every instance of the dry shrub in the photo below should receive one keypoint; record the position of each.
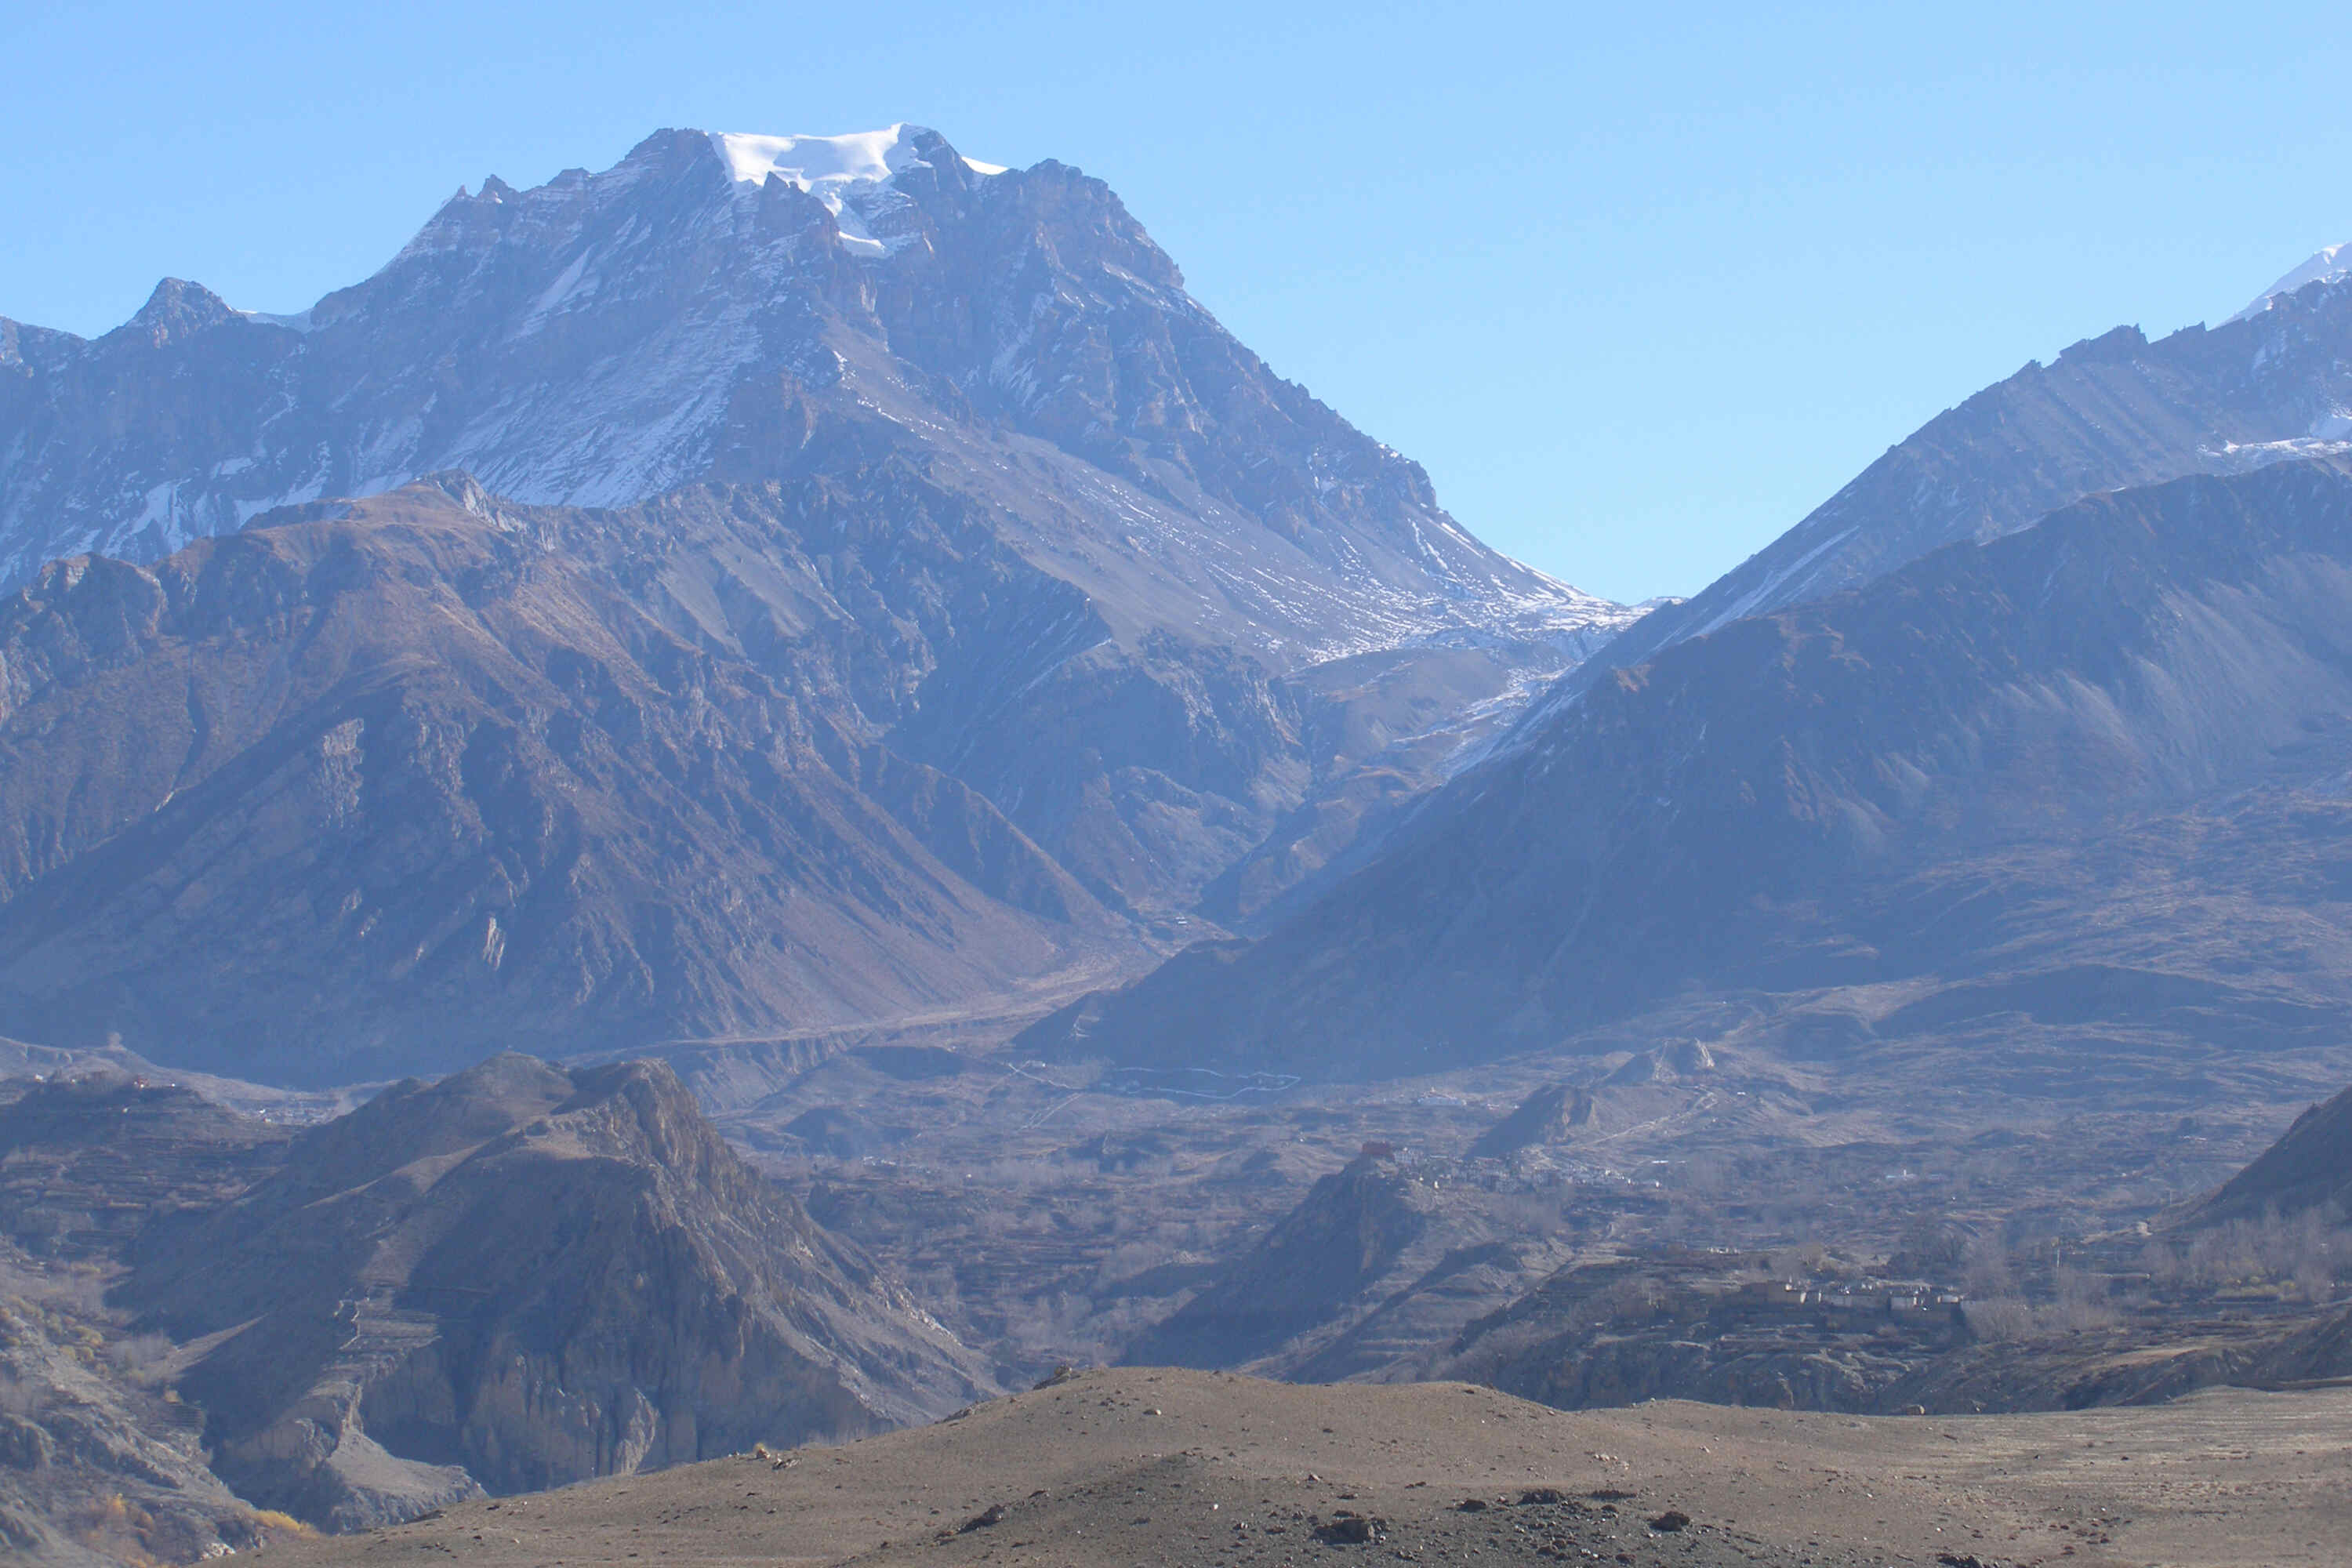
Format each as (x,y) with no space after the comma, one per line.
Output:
(2000,1319)
(277,1523)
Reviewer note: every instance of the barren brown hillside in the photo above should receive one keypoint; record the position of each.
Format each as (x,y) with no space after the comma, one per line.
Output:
(1162,1467)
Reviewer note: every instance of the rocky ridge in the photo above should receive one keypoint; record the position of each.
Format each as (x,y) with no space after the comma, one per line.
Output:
(2308,1172)
(519,1278)
(2115,412)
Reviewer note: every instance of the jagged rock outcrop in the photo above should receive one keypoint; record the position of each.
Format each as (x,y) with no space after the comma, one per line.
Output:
(518,1278)
(1674,1061)
(1345,1234)
(1375,1270)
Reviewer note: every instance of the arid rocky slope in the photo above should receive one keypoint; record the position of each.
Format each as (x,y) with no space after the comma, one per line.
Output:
(420,778)
(100,1465)
(2084,777)
(2308,1172)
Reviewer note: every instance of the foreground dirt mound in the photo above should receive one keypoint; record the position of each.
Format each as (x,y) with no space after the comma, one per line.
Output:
(1142,1465)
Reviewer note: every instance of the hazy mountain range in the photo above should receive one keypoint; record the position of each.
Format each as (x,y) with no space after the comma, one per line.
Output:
(839,617)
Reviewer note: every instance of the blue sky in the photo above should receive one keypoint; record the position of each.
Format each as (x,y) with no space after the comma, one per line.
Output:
(1639,286)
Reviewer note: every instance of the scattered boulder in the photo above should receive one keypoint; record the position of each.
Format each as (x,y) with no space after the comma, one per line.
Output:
(1350,1529)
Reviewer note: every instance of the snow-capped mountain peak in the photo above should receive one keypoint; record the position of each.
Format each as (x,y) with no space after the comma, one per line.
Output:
(852,174)
(822,165)
(2324,266)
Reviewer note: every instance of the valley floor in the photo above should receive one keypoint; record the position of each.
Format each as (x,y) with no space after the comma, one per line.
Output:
(1148,1466)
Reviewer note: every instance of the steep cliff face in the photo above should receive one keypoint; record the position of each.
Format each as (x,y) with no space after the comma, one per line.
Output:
(2083,773)
(386,789)
(519,1278)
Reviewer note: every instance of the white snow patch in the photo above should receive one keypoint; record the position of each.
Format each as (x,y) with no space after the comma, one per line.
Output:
(2326,267)
(556,296)
(299,321)
(2238,458)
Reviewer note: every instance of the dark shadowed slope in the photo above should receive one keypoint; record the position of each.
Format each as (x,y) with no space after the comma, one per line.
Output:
(2086,774)
(1345,1232)
(2310,1167)
(418,779)
(89,1161)
(519,1278)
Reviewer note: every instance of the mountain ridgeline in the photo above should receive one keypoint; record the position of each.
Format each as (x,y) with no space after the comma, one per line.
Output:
(2113,412)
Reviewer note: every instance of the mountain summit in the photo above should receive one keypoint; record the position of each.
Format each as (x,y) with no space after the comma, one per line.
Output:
(728,306)
(921,480)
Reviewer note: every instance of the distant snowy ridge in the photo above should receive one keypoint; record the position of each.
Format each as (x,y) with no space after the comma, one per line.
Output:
(2326,267)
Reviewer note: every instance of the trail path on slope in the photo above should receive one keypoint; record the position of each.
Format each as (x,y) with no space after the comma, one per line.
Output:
(1135,1467)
